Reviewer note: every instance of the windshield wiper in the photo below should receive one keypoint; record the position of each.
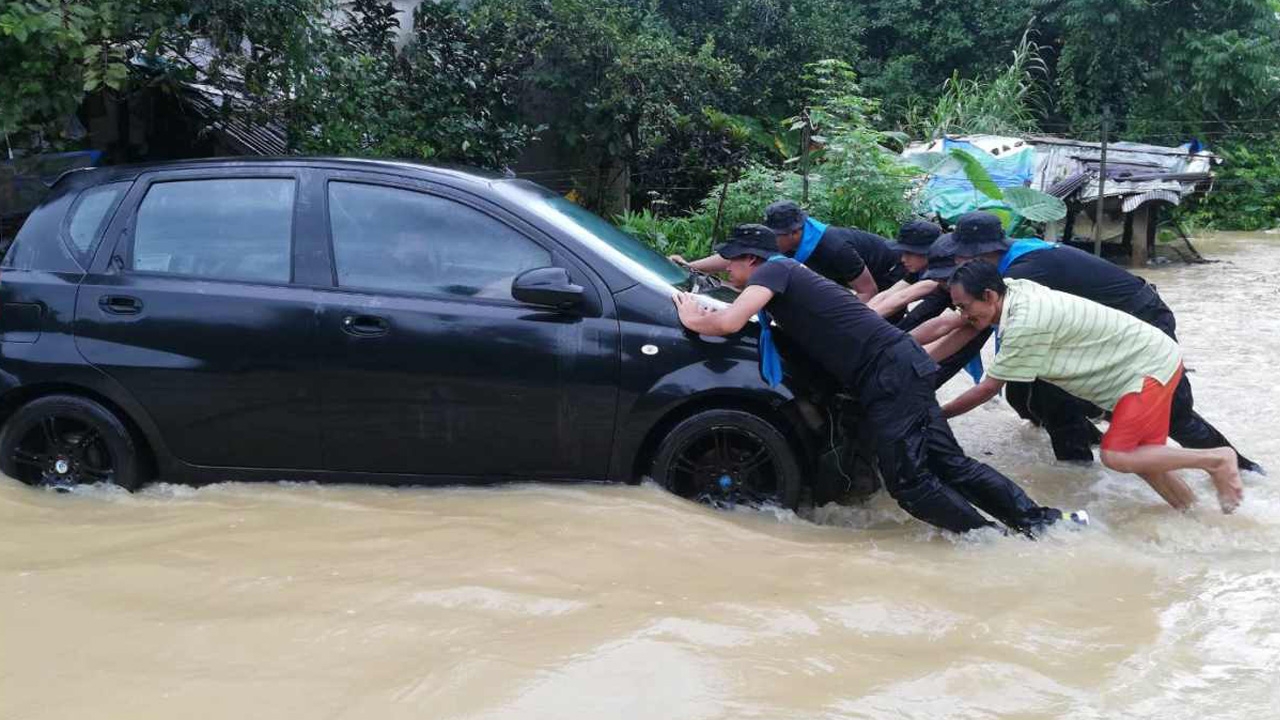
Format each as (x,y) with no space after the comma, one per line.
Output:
(700,281)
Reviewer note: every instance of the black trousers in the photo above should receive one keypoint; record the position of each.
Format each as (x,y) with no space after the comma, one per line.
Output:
(1066,417)
(923,467)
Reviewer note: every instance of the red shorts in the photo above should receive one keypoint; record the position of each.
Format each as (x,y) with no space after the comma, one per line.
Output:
(1142,418)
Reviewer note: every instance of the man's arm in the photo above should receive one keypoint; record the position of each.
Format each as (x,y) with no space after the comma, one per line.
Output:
(930,330)
(952,343)
(710,264)
(973,397)
(890,301)
(864,286)
(705,321)
(896,287)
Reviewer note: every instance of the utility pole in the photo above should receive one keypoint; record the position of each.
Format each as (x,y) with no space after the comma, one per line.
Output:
(1102,183)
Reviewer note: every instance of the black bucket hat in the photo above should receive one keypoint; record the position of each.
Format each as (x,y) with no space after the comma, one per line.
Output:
(979,232)
(751,239)
(942,259)
(915,237)
(784,216)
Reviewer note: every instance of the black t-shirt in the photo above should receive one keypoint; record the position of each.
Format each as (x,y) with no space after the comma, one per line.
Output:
(836,260)
(1076,272)
(825,320)
(929,307)
(874,250)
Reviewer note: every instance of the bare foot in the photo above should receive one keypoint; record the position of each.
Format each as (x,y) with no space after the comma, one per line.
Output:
(1226,480)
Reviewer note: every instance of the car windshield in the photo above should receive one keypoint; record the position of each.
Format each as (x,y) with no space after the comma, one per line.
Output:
(626,244)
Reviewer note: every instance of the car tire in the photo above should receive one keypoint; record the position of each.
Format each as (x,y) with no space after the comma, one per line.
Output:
(64,440)
(728,457)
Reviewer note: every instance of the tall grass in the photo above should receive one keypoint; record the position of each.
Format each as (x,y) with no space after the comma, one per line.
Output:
(1006,104)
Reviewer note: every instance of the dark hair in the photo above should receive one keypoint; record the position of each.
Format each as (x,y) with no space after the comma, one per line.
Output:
(978,276)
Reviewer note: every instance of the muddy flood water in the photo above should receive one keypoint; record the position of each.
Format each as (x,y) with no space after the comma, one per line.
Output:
(301,601)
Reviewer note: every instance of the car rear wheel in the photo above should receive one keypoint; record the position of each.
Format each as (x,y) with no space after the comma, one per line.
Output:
(63,440)
(728,457)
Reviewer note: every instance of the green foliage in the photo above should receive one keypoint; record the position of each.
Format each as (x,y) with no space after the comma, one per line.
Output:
(1159,63)
(622,92)
(854,179)
(748,195)
(677,95)
(769,41)
(689,237)
(54,52)
(1246,195)
(1034,205)
(910,48)
(450,95)
(976,174)
(1004,104)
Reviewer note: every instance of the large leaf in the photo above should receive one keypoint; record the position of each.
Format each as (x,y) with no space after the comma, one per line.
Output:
(1034,205)
(977,174)
(927,161)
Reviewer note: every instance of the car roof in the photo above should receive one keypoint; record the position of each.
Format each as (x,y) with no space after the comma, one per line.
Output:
(113,173)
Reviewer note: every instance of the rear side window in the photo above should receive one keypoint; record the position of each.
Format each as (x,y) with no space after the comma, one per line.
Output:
(225,229)
(391,239)
(91,213)
(39,244)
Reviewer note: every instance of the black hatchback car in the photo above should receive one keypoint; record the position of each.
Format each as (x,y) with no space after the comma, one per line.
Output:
(362,321)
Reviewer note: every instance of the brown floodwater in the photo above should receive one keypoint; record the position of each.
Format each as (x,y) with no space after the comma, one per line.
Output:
(528,601)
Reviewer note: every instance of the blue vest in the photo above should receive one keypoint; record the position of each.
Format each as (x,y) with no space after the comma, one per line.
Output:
(1019,248)
(770,360)
(813,231)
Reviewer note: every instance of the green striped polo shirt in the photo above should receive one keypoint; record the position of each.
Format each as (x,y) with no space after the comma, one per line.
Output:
(1092,351)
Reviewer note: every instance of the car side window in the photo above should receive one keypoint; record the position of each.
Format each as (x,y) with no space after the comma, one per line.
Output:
(223,229)
(388,238)
(90,215)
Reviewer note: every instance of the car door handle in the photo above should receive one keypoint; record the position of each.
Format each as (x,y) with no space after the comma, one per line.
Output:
(120,304)
(365,325)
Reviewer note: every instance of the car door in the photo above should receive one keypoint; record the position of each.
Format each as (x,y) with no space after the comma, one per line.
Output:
(432,367)
(193,312)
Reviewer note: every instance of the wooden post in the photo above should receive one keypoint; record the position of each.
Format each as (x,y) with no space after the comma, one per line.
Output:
(804,158)
(1138,223)
(1102,183)
(1153,224)
(724,191)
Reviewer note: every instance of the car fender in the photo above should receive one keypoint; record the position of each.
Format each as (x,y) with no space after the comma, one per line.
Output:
(713,382)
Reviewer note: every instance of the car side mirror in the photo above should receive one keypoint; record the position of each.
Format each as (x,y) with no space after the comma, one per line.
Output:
(547,287)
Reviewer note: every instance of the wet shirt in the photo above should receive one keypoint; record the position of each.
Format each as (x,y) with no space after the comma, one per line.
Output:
(825,320)
(1092,351)
(837,261)
(872,249)
(1069,270)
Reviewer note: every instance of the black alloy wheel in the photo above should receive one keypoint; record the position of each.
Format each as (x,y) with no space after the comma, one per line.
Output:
(726,458)
(62,441)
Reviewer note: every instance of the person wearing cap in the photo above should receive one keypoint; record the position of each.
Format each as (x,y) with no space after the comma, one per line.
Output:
(855,259)
(1102,355)
(912,246)
(923,467)
(1075,272)
(952,348)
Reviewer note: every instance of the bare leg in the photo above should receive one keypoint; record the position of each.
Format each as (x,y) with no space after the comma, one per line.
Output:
(1220,463)
(1172,489)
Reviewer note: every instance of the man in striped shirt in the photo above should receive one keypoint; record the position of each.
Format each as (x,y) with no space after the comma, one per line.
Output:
(1098,354)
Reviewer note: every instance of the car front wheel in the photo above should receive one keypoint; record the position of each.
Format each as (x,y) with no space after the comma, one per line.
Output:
(65,440)
(728,457)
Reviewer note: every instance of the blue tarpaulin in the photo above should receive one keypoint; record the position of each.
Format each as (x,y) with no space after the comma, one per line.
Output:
(949,194)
